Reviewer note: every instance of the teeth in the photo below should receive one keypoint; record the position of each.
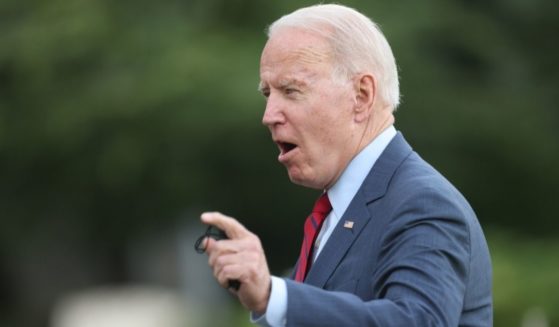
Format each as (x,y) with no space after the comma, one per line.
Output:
(282,147)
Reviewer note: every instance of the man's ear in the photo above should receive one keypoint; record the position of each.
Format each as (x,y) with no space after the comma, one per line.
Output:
(366,95)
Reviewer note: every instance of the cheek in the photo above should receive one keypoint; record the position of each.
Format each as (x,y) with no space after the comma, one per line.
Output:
(335,119)
(328,123)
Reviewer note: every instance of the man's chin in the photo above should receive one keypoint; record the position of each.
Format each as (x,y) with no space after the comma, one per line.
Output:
(299,179)
(295,176)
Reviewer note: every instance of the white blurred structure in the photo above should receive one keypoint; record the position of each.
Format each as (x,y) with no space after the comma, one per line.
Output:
(123,307)
(535,317)
(174,287)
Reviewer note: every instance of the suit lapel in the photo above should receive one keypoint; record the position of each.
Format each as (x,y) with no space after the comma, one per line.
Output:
(338,243)
(373,188)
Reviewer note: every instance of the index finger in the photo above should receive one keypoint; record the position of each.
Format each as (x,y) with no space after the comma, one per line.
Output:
(231,227)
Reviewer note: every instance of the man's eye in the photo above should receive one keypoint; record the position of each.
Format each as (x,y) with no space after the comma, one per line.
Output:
(291,91)
(265,93)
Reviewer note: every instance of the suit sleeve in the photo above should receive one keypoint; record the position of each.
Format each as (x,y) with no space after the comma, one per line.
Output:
(419,279)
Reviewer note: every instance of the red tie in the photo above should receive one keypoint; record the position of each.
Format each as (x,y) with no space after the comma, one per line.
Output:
(312,226)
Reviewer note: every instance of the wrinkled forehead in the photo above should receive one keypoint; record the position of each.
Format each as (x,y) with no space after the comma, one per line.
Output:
(295,46)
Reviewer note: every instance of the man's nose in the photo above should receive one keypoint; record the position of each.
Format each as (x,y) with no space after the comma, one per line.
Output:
(273,113)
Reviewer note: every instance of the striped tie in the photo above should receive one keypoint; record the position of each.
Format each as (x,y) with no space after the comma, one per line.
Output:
(312,226)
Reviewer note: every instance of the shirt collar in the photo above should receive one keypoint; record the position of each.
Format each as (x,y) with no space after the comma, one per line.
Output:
(341,194)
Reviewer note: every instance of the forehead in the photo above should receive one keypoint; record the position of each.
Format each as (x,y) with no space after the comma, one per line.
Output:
(292,51)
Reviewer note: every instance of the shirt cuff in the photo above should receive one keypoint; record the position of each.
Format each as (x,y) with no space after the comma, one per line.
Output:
(277,306)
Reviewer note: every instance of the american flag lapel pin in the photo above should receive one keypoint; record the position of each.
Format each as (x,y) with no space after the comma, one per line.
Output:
(348,224)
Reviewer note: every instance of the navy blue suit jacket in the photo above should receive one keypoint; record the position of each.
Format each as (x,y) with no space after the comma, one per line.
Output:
(416,255)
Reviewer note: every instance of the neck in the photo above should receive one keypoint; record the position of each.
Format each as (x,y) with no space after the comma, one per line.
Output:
(377,122)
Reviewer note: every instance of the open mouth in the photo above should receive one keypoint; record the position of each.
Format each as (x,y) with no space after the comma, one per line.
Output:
(286,147)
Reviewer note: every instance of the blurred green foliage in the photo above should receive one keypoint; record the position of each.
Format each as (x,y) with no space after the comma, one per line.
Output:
(116,117)
(525,277)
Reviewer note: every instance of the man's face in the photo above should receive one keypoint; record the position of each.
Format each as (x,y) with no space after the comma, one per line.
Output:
(310,116)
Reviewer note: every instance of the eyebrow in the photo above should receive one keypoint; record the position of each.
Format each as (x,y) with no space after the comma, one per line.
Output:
(283,83)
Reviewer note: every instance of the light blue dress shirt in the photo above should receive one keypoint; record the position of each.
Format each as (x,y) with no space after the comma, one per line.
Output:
(340,196)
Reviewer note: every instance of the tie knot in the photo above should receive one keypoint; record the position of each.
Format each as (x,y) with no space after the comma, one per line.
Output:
(322,205)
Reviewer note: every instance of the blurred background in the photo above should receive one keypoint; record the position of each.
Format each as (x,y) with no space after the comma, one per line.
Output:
(121,121)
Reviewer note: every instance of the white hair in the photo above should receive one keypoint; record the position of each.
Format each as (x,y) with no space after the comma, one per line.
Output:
(357,43)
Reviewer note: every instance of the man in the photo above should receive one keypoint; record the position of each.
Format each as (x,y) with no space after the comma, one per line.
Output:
(398,245)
